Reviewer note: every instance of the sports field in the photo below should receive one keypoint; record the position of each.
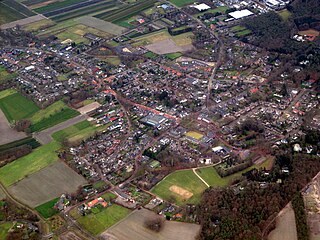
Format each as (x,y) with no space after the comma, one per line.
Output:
(46,210)
(33,162)
(194,135)
(97,223)
(16,107)
(180,187)
(48,183)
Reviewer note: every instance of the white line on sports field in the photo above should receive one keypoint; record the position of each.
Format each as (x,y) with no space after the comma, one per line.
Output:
(195,172)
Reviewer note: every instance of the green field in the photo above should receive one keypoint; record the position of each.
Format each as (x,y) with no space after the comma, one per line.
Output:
(185,179)
(17,107)
(284,14)
(6,93)
(25,141)
(4,228)
(78,131)
(243,33)
(181,3)
(8,14)
(5,75)
(173,56)
(33,162)
(53,118)
(46,210)
(57,5)
(96,223)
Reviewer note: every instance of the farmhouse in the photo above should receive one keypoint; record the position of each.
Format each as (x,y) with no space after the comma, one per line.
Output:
(97,201)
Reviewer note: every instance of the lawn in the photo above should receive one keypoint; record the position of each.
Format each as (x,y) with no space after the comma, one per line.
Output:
(243,33)
(33,162)
(82,130)
(4,228)
(46,210)
(17,107)
(173,56)
(185,179)
(181,3)
(6,93)
(96,223)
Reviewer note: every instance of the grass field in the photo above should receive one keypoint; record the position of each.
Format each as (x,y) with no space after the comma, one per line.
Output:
(5,75)
(221,9)
(33,162)
(4,228)
(46,210)
(194,135)
(97,223)
(17,107)
(185,179)
(52,116)
(243,33)
(78,131)
(6,93)
(181,3)
(173,56)
(46,184)
(35,26)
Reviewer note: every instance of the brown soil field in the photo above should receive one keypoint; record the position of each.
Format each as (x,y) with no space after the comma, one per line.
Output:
(7,133)
(133,228)
(46,184)
(285,225)
(185,194)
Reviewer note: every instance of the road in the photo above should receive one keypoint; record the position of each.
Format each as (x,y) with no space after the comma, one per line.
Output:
(44,137)
(195,172)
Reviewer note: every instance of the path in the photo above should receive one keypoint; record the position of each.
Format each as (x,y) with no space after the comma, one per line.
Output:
(44,137)
(195,172)
(7,133)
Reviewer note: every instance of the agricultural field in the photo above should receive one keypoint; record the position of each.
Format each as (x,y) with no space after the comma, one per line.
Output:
(10,11)
(180,187)
(48,183)
(126,11)
(33,162)
(52,115)
(56,5)
(133,228)
(46,209)
(107,6)
(102,220)
(181,3)
(17,107)
(101,25)
(36,26)
(77,132)
(25,141)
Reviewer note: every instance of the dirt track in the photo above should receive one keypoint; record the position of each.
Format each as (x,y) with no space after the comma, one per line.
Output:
(7,133)
(44,137)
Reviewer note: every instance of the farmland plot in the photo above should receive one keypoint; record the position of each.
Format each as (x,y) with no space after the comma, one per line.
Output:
(46,184)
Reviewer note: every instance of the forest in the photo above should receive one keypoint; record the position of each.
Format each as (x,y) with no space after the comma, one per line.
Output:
(250,213)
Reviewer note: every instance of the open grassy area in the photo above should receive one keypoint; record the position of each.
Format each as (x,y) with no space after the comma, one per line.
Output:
(46,210)
(4,228)
(57,5)
(6,93)
(48,111)
(52,116)
(221,9)
(78,131)
(243,33)
(33,162)
(185,179)
(16,107)
(96,223)
(181,3)
(5,75)
(173,56)
(35,26)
